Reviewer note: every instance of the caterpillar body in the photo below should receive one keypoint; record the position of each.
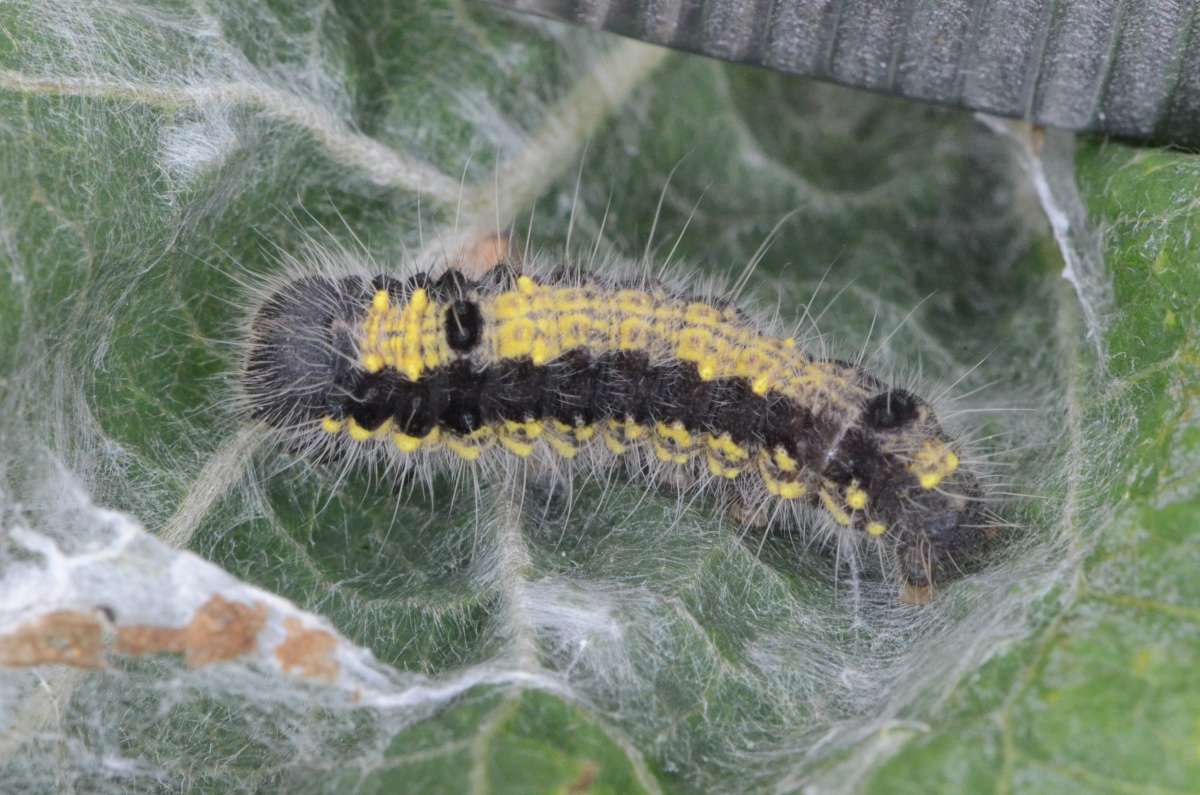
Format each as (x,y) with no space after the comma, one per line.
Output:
(562,366)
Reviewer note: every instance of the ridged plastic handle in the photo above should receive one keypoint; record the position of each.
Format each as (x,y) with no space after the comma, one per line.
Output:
(1125,68)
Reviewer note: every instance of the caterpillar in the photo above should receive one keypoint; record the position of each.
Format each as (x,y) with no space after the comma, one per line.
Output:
(562,366)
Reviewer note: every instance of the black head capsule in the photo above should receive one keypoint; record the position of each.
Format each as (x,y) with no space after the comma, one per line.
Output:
(901,473)
(300,365)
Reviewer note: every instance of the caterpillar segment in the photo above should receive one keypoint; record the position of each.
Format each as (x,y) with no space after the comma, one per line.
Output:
(515,365)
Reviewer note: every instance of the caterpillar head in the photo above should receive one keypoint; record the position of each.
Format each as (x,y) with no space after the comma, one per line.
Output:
(300,358)
(931,505)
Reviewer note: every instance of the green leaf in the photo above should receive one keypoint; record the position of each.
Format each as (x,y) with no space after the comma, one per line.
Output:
(497,636)
(1098,695)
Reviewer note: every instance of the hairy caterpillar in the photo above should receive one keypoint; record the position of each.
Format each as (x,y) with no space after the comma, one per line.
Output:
(560,366)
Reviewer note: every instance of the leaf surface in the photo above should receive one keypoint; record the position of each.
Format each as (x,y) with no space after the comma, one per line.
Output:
(491,637)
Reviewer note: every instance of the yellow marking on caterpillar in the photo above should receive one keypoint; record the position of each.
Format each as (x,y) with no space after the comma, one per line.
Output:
(792,490)
(570,299)
(357,432)
(675,432)
(515,338)
(876,528)
(561,446)
(785,488)
(510,305)
(698,314)
(619,433)
(406,443)
(701,340)
(531,429)
(726,447)
(471,446)
(410,444)
(519,437)
(672,443)
(812,375)
(668,456)
(694,346)
(633,334)
(932,463)
(835,510)
(573,330)
(545,321)
(633,302)
(407,338)
(784,461)
(540,351)
(330,425)
(856,498)
(433,338)
(373,362)
(411,360)
(718,468)
(515,445)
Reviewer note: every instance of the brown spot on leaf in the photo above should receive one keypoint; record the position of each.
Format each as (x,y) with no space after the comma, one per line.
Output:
(307,652)
(482,254)
(220,630)
(65,637)
(586,778)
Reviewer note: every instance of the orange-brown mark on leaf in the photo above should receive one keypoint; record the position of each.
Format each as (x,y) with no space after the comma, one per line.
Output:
(482,254)
(307,652)
(220,630)
(586,778)
(65,637)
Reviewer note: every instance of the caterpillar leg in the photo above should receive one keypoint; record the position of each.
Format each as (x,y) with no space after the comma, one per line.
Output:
(756,517)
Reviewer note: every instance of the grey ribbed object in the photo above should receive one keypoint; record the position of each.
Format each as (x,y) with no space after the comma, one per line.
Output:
(1128,68)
